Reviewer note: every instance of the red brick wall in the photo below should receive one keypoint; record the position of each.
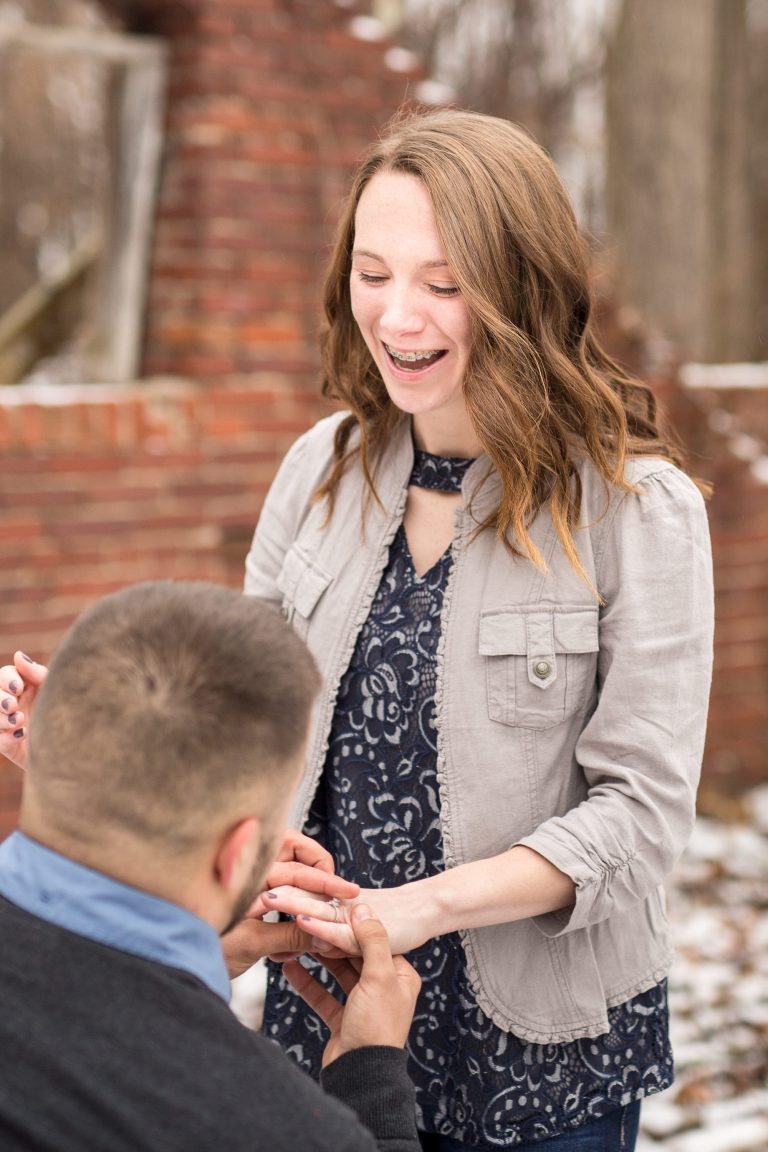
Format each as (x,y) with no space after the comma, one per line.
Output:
(165,480)
(727,426)
(269,107)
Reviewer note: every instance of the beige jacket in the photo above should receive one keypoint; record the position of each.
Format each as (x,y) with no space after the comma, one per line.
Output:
(572,728)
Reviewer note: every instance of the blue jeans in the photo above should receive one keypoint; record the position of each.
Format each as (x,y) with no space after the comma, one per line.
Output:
(614,1132)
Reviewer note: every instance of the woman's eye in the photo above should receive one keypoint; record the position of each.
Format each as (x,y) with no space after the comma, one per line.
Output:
(369,278)
(443,290)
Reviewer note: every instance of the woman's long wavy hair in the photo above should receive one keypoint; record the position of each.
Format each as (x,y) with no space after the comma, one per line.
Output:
(539,388)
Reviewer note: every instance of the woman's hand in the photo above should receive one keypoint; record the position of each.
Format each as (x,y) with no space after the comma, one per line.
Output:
(514,885)
(381,991)
(402,911)
(19,685)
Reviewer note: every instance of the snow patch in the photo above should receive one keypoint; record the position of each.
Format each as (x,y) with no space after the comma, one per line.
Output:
(367,28)
(752,375)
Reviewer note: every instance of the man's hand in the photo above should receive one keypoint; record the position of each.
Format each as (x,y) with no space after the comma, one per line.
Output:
(302,863)
(19,685)
(381,991)
(252,940)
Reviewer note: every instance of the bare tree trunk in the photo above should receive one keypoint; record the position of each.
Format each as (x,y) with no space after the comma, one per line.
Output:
(679,195)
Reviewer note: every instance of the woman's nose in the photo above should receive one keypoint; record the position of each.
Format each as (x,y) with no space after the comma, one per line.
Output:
(401,312)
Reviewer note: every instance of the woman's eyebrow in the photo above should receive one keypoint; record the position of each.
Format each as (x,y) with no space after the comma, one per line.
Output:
(381,260)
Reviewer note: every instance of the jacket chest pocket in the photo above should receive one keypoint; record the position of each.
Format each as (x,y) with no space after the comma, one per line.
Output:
(541,663)
(302,582)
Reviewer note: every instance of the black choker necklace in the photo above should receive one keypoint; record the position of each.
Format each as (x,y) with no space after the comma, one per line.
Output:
(442,473)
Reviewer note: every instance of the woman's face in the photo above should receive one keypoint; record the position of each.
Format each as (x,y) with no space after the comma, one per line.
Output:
(408,307)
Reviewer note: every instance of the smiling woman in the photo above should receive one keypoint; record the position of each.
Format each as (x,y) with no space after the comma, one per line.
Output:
(410,312)
(505,579)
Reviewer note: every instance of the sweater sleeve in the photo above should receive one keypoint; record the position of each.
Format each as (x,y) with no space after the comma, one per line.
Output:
(641,749)
(374,1082)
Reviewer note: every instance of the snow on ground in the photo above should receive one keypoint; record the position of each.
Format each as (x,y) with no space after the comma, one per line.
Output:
(718,908)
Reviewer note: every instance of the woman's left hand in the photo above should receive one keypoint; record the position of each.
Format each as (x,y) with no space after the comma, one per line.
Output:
(400,910)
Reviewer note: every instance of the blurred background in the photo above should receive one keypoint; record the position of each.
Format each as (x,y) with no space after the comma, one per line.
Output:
(170,175)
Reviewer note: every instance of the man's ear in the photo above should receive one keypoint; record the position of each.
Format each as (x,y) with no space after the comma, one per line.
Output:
(237,853)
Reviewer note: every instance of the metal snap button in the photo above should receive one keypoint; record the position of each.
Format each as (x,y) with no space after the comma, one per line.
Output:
(542,669)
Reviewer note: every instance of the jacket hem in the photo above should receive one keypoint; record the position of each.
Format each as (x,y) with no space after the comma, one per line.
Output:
(533,1032)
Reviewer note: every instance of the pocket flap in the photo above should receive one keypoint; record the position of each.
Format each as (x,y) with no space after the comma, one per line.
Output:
(504,632)
(302,581)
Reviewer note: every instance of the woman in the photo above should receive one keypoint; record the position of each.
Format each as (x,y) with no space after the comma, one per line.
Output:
(505,580)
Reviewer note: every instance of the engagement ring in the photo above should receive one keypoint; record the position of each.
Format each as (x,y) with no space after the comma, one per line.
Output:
(336,905)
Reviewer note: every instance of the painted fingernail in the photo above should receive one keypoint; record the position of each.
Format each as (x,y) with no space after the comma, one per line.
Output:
(28,659)
(271,895)
(7,704)
(14,687)
(12,719)
(18,735)
(304,916)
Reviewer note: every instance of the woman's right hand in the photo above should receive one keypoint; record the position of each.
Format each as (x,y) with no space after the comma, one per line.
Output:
(20,683)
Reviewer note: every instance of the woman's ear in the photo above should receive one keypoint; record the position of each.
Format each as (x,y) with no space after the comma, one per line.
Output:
(237,853)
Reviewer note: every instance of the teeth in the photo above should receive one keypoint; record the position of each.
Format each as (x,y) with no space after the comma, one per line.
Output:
(410,356)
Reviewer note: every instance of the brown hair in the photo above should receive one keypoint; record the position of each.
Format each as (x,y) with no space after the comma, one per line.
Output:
(163,703)
(539,388)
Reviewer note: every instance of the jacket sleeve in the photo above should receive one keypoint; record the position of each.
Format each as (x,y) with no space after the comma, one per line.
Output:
(374,1082)
(276,528)
(288,501)
(641,749)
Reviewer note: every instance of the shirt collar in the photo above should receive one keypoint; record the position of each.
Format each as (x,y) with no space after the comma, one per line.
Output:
(93,905)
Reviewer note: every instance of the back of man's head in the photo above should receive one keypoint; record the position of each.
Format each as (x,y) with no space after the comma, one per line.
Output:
(164,705)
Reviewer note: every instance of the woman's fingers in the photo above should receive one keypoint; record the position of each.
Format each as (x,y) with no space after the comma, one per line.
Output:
(19,683)
(298,902)
(307,879)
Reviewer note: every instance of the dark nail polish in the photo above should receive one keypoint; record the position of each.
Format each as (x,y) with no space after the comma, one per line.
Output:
(28,659)
(271,895)
(6,705)
(19,734)
(14,687)
(12,719)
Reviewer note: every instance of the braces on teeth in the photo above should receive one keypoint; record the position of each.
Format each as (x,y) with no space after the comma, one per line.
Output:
(410,356)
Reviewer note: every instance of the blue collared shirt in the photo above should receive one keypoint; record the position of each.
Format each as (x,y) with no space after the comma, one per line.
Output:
(93,905)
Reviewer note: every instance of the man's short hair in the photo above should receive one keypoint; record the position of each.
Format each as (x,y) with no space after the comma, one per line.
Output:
(164,702)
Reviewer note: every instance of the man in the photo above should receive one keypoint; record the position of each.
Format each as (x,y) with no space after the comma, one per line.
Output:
(164,749)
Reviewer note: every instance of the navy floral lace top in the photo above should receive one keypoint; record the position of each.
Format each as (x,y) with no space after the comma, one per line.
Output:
(378,812)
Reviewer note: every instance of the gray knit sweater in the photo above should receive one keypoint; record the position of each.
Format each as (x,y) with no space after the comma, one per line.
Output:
(104,1051)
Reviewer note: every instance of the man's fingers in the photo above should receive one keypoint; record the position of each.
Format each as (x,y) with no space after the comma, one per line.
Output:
(408,974)
(297,846)
(343,972)
(284,936)
(310,878)
(372,938)
(313,994)
(250,940)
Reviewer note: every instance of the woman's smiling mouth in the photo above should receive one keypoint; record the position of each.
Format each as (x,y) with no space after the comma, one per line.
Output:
(413,361)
